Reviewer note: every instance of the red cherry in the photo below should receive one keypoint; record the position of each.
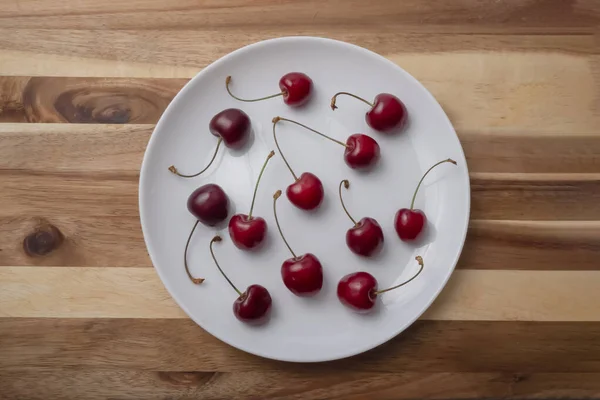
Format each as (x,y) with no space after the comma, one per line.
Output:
(231,126)
(302,275)
(409,223)
(361,151)
(358,290)
(209,204)
(387,111)
(365,238)
(247,231)
(296,89)
(251,306)
(307,191)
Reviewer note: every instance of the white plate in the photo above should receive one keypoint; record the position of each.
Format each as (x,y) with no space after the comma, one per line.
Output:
(320,328)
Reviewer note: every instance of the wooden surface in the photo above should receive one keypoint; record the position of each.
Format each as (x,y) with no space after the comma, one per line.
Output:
(82,84)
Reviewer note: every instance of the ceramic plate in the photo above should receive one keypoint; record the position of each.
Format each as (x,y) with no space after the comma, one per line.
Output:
(319,328)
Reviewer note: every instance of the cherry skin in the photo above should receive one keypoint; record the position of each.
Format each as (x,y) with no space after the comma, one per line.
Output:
(233,126)
(409,223)
(296,88)
(307,192)
(303,275)
(357,291)
(365,238)
(253,305)
(361,152)
(388,113)
(209,204)
(247,231)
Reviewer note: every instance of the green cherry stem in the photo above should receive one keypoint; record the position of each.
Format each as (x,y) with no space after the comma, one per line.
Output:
(412,203)
(218,238)
(174,170)
(228,81)
(421,265)
(197,281)
(275,197)
(313,130)
(334,98)
(275,121)
(271,154)
(346,184)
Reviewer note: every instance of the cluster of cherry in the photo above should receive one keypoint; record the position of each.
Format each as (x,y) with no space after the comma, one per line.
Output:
(303,275)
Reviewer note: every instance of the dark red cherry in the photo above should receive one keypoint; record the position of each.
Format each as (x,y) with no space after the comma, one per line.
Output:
(387,112)
(361,152)
(365,238)
(233,126)
(307,192)
(247,231)
(253,305)
(303,275)
(209,204)
(409,223)
(295,87)
(358,291)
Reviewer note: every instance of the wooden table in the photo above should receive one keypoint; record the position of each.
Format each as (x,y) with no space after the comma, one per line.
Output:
(84,315)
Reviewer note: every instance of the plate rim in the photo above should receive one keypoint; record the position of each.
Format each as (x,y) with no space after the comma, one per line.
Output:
(215,64)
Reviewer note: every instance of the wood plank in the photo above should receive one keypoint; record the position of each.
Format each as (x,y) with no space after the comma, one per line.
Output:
(326,385)
(73,292)
(180,345)
(499,96)
(441,16)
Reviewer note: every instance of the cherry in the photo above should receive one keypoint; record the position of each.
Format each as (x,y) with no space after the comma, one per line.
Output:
(307,191)
(387,111)
(302,275)
(361,151)
(209,204)
(251,306)
(358,290)
(231,126)
(365,238)
(248,231)
(409,223)
(296,88)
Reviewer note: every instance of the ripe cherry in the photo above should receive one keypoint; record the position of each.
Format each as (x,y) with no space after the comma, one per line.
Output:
(248,231)
(307,191)
(302,275)
(231,126)
(409,223)
(295,87)
(387,111)
(365,238)
(358,290)
(210,205)
(361,151)
(251,306)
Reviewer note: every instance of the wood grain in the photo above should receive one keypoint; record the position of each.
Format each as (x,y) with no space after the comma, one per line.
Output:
(126,292)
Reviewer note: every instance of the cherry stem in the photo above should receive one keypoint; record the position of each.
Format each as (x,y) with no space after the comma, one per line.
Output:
(412,203)
(218,238)
(174,170)
(271,154)
(346,184)
(197,281)
(313,130)
(275,197)
(421,265)
(275,120)
(334,98)
(228,80)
